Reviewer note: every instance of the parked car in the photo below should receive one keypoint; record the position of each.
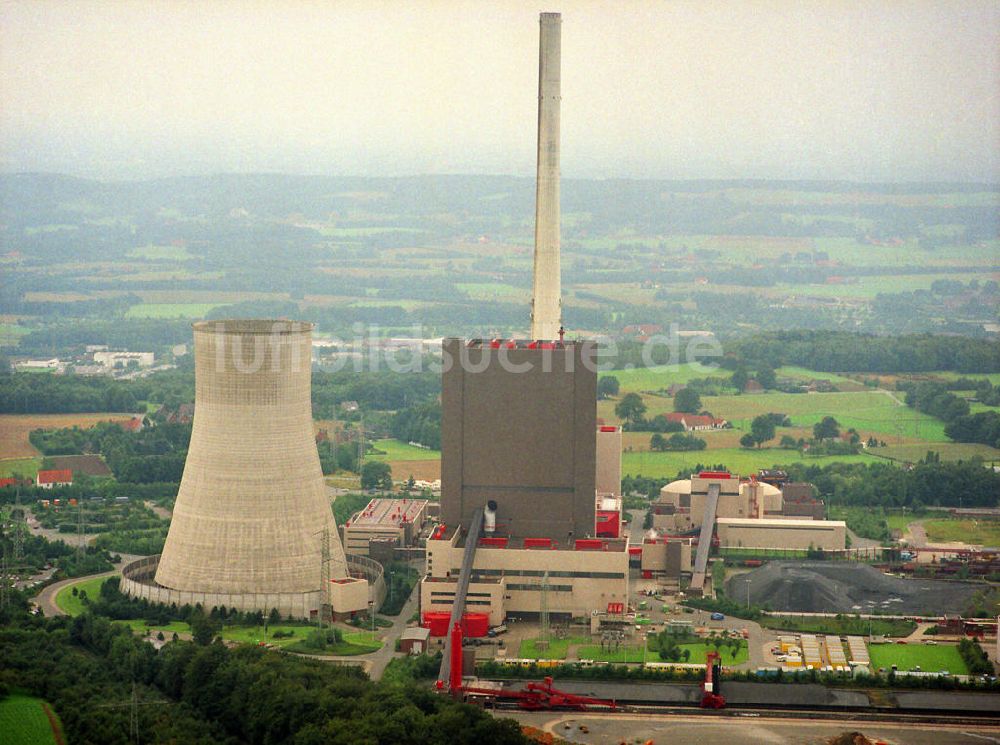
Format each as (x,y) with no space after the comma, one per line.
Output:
(717,617)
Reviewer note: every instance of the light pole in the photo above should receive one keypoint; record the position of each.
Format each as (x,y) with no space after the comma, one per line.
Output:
(748,593)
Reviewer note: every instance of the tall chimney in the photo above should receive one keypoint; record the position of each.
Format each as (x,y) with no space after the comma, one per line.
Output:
(546,305)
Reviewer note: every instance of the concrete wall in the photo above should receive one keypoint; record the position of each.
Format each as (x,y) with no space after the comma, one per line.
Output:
(137,582)
(579,581)
(793,534)
(609,462)
(688,497)
(438,594)
(524,439)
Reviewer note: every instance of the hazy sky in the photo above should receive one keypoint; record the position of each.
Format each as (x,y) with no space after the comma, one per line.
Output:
(838,89)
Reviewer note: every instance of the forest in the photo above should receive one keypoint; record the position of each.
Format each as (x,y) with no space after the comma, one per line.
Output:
(209,693)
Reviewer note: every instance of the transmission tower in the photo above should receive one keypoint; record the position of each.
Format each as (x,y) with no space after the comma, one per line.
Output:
(17,529)
(324,574)
(81,544)
(361,444)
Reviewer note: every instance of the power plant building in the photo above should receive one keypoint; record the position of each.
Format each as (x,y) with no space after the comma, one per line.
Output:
(252,526)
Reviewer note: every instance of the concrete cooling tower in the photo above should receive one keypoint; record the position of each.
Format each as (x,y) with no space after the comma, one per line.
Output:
(252,526)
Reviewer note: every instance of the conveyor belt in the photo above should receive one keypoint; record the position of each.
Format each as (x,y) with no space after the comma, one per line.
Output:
(462,587)
(705,539)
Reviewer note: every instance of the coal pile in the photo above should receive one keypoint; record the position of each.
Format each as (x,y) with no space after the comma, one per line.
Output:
(825,587)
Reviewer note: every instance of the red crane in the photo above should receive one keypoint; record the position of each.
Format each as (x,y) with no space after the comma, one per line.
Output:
(534,696)
(711,696)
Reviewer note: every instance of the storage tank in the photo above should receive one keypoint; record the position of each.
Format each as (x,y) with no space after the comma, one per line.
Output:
(252,508)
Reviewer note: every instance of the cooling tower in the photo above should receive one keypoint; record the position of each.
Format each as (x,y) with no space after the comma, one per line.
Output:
(252,507)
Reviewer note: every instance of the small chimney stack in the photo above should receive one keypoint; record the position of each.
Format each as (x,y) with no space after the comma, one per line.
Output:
(546,303)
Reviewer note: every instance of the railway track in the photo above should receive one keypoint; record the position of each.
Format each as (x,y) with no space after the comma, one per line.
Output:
(841,714)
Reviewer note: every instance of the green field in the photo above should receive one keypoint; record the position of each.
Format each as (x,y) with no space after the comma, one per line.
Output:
(396,450)
(161,253)
(11,333)
(983,532)
(949,451)
(869,412)
(71,604)
(661,376)
(170,310)
(23,721)
(909,656)
(26,467)
(489,290)
(737,460)
(805,374)
(556,649)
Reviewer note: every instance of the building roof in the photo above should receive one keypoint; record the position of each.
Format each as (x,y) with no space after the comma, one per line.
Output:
(694,420)
(417,633)
(60,476)
(132,425)
(8,482)
(389,513)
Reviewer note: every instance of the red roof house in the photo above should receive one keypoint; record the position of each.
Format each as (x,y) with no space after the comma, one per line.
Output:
(48,479)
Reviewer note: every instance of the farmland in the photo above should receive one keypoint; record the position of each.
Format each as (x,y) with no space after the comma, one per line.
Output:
(15,428)
(170,310)
(24,721)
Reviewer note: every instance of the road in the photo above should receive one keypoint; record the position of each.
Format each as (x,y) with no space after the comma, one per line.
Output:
(612,729)
(70,539)
(47,597)
(382,657)
(161,512)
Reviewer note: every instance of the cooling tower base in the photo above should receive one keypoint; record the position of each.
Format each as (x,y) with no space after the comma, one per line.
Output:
(348,595)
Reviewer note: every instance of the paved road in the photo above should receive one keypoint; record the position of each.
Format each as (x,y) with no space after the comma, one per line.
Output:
(381,658)
(47,597)
(70,539)
(612,729)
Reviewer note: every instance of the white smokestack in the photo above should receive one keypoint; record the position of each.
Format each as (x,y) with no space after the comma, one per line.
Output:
(546,305)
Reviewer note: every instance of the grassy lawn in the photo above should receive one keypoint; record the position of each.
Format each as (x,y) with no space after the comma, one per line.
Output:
(355,642)
(838,626)
(139,626)
(396,450)
(906,657)
(256,635)
(71,604)
(556,649)
(984,532)
(635,654)
(738,460)
(23,721)
(170,310)
(26,467)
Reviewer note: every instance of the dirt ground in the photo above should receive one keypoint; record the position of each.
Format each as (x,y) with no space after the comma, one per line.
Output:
(14,429)
(426,470)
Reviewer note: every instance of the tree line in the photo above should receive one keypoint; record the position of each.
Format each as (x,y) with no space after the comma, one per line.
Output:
(960,425)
